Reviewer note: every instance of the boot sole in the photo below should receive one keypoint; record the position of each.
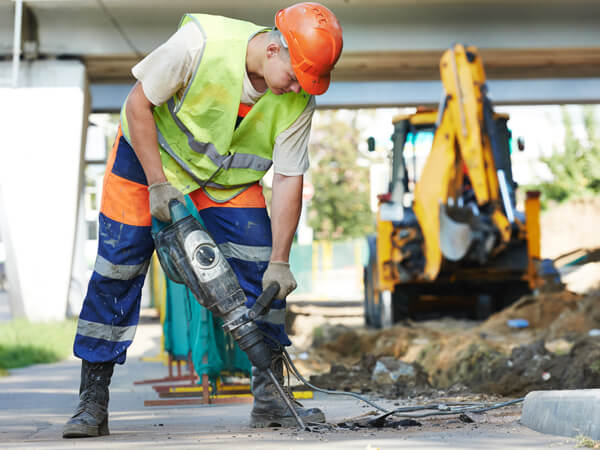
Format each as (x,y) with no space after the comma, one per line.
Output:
(267,421)
(79,430)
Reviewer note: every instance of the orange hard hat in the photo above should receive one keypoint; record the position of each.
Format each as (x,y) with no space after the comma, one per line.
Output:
(314,39)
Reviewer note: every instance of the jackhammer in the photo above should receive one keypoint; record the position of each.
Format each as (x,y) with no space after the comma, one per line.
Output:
(189,256)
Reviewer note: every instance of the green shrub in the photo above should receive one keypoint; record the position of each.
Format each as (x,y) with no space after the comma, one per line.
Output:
(575,167)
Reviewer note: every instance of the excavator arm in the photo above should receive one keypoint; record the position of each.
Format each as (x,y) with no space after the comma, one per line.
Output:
(461,200)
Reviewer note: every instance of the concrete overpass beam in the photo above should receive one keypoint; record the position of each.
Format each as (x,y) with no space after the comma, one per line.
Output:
(360,94)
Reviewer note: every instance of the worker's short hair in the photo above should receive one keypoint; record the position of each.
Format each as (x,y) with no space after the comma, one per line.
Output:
(276,36)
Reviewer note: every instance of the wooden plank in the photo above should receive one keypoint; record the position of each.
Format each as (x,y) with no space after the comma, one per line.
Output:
(498,64)
(164,380)
(193,401)
(185,394)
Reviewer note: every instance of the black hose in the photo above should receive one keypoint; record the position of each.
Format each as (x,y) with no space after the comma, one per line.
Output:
(442,409)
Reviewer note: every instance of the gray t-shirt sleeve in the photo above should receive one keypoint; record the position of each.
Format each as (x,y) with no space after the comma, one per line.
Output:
(169,68)
(290,153)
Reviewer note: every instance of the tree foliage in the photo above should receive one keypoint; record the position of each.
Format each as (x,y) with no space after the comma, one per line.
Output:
(340,206)
(576,167)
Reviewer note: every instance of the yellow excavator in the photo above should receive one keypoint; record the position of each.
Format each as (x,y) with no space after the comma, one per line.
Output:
(448,232)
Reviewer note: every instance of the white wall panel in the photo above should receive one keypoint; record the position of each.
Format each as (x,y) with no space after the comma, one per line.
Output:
(43,130)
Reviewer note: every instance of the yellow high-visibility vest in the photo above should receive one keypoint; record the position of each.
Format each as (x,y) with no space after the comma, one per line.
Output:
(199,144)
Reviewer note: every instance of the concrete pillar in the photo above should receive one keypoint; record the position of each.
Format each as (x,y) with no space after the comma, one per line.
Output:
(44,124)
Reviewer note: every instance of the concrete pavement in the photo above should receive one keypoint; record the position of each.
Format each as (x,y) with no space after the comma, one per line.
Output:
(36,401)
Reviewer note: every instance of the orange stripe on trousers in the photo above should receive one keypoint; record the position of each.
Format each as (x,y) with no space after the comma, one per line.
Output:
(123,200)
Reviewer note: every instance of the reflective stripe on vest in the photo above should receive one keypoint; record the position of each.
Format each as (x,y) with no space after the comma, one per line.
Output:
(236,161)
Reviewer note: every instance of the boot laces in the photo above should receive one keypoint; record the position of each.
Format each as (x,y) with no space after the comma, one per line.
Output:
(95,391)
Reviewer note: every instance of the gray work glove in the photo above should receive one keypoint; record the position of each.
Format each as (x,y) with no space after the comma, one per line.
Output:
(160,195)
(280,271)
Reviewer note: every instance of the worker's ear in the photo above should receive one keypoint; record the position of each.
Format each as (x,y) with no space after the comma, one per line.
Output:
(273,49)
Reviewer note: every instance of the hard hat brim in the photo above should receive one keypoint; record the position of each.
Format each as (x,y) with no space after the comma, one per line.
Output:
(312,84)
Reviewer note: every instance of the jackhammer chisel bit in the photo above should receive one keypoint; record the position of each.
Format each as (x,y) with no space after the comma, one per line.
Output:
(286,399)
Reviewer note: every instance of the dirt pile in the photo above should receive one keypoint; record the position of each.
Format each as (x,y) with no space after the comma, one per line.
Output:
(352,343)
(555,350)
(466,359)
(540,311)
(533,367)
(582,278)
(581,215)
(580,320)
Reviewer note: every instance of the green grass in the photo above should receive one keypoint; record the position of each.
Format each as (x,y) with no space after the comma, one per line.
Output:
(23,343)
(586,442)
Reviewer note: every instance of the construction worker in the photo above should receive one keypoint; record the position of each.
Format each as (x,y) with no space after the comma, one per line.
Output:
(213,108)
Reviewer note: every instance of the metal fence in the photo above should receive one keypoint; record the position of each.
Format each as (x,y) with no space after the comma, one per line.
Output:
(328,270)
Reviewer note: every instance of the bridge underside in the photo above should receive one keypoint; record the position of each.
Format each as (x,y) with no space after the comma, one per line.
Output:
(533,52)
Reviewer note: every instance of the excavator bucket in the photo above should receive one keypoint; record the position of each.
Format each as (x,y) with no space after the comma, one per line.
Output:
(455,237)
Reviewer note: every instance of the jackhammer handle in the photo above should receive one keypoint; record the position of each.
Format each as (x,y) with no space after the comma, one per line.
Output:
(269,293)
(264,300)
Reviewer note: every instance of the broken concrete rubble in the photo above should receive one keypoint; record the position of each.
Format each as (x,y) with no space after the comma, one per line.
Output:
(387,376)
(391,370)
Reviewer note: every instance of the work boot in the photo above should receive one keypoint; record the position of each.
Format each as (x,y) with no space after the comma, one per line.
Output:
(91,416)
(269,409)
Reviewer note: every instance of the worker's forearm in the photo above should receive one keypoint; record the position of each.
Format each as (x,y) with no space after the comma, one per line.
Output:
(286,204)
(143,135)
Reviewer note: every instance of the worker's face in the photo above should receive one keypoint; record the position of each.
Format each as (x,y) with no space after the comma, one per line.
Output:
(278,73)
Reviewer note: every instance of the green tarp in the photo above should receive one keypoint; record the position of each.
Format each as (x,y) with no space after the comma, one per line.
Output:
(188,326)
